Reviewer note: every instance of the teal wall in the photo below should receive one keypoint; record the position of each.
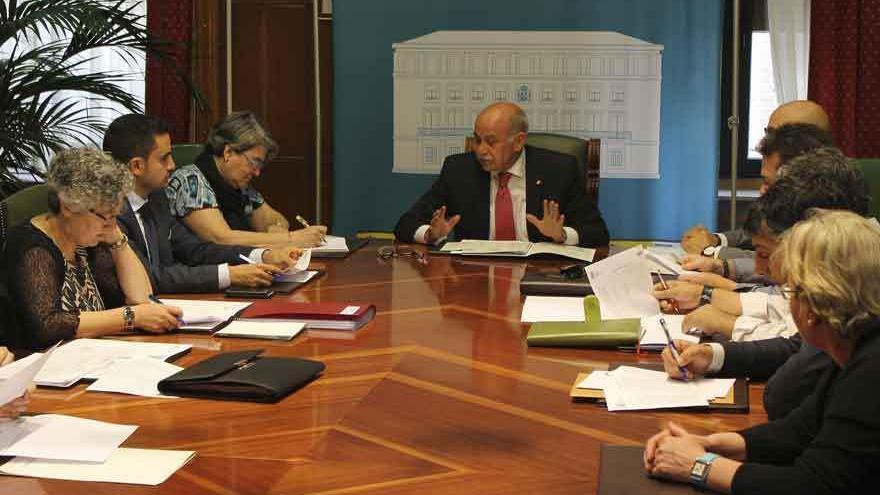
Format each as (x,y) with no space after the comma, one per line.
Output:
(367,196)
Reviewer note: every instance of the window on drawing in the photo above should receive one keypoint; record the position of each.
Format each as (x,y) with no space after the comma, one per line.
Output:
(571,95)
(617,96)
(431,94)
(547,95)
(455,94)
(429,155)
(454,150)
(595,95)
(616,158)
(500,94)
(477,95)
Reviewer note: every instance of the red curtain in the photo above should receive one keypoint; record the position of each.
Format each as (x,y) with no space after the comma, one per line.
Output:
(845,71)
(167,96)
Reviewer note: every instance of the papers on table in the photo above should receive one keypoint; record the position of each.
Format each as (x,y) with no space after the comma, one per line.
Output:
(475,247)
(91,358)
(628,389)
(205,315)
(53,436)
(332,243)
(665,264)
(299,277)
(276,329)
(132,466)
(653,335)
(623,285)
(548,308)
(138,376)
(17,376)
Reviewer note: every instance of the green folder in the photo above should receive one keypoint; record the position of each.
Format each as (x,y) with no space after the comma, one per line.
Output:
(590,333)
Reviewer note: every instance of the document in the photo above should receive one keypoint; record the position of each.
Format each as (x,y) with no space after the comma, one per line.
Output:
(629,389)
(275,329)
(205,315)
(301,264)
(653,335)
(332,243)
(474,247)
(90,358)
(130,466)
(623,285)
(665,264)
(550,308)
(300,277)
(54,436)
(18,375)
(137,376)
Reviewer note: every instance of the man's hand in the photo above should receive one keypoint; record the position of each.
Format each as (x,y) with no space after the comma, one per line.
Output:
(694,358)
(252,275)
(440,225)
(309,236)
(700,263)
(551,222)
(710,320)
(282,258)
(685,294)
(696,239)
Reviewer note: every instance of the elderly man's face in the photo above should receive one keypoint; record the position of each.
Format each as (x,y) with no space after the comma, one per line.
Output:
(496,147)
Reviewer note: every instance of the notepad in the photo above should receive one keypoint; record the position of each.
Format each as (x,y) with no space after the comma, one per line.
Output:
(332,243)
(205,315)
(252,329)
(130,466)
(298,277)
(549,308)
(59,437)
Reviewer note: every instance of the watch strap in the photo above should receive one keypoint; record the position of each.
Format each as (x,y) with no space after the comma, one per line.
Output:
(700,470)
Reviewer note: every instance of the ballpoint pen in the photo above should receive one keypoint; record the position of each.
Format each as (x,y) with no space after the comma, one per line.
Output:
(672,302)
(305,224)
(673,350)
(156,300)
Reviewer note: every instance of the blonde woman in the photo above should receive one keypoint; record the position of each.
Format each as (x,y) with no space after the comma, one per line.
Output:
(71,271)
(831,443)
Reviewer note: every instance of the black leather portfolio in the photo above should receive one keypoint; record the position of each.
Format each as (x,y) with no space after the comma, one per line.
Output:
(622,472)
(550,282)
(244,376)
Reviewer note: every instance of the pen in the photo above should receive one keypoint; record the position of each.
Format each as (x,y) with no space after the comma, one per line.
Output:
(305,224)
(672,349)
(156,300)
(666,287)
(247,260)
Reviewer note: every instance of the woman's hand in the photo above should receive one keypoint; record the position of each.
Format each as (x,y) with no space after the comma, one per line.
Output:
(309,236)
(14,408)
(156,318)
(6,356)
(671,453)
(685,294)
(709,279)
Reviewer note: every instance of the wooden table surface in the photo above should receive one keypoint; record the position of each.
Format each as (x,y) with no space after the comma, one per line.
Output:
(439,394)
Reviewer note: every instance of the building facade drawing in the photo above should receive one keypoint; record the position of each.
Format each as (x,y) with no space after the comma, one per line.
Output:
(589,84)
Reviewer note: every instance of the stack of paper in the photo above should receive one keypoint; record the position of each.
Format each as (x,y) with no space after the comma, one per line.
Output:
(138,376)
(551,308)
(298,277)
(53,436)
(254,329)
(653,335)
(16,377)
(205,315)
(91,358)
(628,389)
(473,247)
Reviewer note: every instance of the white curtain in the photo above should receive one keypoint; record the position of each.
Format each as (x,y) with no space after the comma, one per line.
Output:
(789,22)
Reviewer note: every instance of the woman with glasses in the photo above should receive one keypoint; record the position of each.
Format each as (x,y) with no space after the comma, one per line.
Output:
(215,198)
(831,442)
(71,272)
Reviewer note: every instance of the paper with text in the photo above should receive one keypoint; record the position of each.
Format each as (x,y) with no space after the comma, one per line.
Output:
(551,308)
(623,285)
(653,333)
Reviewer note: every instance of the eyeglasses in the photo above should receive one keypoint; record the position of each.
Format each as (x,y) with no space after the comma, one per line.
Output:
(105,217)
(388,252)
(256,163)
(789,292)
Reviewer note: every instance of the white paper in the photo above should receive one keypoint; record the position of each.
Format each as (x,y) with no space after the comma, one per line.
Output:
(653,332)
(476,247)
(596,380)
(138,376)
(199,314)
(628,388)
(350,310)
(623,285)
(54,436)
(578,253)
(19,375)
(130,466)
(332,243)
(272,329)
(90,358)
(551,308)
(300,277)
(302,263)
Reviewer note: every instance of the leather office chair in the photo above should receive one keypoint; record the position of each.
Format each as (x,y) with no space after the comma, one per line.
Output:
(186,153)
(22,206)
(870,168)
(585,152)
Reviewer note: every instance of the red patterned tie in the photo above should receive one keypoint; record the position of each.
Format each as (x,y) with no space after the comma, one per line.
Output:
(504,230)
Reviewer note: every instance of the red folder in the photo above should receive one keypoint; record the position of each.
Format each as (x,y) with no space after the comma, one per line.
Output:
(333,316)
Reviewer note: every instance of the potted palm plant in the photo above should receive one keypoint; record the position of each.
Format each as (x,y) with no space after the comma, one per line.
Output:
(45,48)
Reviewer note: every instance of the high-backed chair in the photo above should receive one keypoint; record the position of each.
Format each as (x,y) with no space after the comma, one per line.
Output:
(186,153)
(585,152)
(871,170)
(22,206)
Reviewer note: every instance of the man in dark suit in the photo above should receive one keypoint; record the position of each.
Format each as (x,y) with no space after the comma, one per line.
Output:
(505,190)
(176,259)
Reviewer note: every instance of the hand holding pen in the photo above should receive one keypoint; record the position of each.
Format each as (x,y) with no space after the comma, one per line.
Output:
(673,350)
(672,303)
(321,230)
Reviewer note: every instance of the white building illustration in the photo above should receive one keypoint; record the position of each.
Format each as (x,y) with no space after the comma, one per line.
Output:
(589,84)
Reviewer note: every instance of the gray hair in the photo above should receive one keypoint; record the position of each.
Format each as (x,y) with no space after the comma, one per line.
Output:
(86,179)
(519,121)
(240,131)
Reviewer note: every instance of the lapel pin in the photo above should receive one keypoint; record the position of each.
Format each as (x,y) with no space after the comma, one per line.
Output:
(538,182)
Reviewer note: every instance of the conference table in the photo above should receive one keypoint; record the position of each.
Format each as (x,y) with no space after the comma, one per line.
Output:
(438,394)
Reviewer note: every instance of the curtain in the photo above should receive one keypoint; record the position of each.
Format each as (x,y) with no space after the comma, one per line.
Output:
(845,71)
(166,95)
(789,26)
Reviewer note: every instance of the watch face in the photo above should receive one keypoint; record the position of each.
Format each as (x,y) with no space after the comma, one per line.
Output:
(698,469)
(709,251)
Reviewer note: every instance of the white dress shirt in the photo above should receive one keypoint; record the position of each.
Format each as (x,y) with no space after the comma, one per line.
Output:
(517,187)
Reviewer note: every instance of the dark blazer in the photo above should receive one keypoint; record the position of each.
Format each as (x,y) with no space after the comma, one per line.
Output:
(463,186)
(185,263)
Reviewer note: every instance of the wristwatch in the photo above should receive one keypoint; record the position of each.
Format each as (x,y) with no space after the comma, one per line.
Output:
(706,296)
(700,470)
(712,251)
(128,318)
